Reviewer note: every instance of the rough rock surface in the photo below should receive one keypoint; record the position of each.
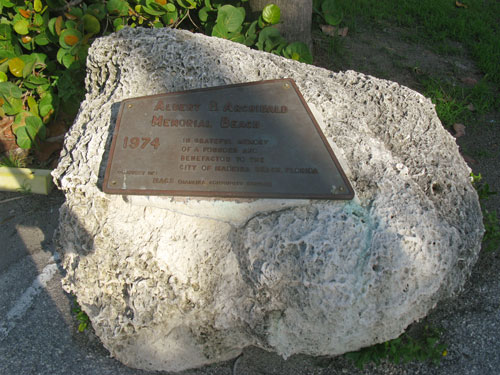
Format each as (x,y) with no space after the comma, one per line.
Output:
(177,283)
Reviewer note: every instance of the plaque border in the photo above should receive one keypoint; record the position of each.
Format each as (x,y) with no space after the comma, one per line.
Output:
(227,194)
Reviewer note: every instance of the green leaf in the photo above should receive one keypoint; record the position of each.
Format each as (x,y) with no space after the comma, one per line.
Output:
(278,49)
(250,40)
(203,14)
(8,3)
(38,20)
(299,51)
(33,105)
(97,10)
(187,4)
(26,136)
(238,38)
(117,7)
(23,140)
(91,24)
(77,12)
(35,127)
(45,105)
(9,90)
(6,54)
(69,37)
(68,60)
(230,17)
(16,66)
(242,12)
(29,64)
(28,45)
(261,22)
(153,12)
(160,6)
(4,61)
(117,22)
(331,12)
(3,77)
(37,5)
(82,327)
(61,53)
(4,67)
(271,14)
(5,32)
(252,29)
(13,105)
(19,120)
(52,26)
(251,34)
(40,58)
(220,31)
(70,24)
(269,38)
(36,80)
(216,4)
(42,39)
(82,52)
(21,27)
(170,18)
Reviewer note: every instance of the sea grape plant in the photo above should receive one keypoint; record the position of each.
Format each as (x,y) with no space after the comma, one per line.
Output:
(44,45)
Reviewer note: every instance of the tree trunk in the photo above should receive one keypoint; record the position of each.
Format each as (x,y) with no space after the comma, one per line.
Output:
(296,18)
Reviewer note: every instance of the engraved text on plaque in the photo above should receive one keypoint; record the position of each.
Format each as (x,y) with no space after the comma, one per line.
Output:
(253,140)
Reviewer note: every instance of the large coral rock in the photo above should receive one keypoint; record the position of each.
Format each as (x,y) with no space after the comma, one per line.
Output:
(171,283)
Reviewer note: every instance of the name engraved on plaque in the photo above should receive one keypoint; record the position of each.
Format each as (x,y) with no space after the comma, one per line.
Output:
(251,140)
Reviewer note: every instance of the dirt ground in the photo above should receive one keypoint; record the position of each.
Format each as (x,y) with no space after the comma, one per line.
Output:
(389,53)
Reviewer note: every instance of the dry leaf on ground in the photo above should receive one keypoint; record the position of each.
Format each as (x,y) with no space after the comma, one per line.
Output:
(469,81)
(458,4)
(343,31)
(471,107)
(459,130)
(334,30)
(328,30)
(468,159)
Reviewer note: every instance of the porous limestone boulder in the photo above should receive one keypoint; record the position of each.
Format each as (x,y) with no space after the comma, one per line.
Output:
(173,283)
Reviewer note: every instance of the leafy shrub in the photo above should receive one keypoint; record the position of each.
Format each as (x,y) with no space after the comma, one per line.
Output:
(44,45)
(328,11)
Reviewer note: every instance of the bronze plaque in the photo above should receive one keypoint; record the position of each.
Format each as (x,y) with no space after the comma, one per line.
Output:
(251,140)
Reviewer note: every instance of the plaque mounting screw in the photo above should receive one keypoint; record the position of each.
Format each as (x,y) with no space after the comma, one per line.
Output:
(341,188)
(113,182)
(130,106)
(286,85)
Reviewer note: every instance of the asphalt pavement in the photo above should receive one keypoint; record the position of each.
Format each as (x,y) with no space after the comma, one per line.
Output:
(38,331)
